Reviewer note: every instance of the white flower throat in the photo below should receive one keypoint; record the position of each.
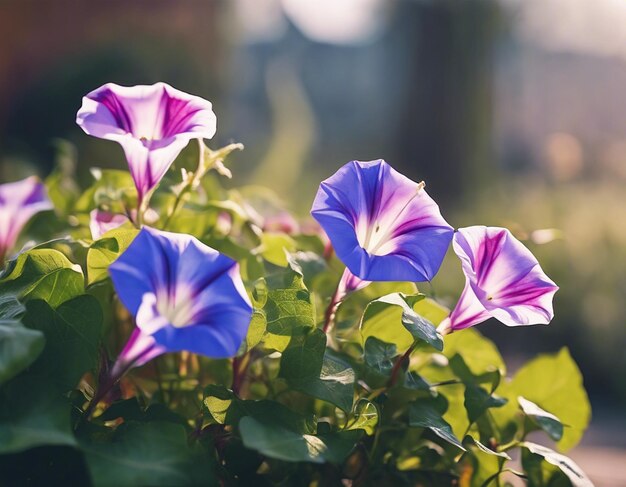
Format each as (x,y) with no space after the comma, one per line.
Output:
(378,232)
(176,306)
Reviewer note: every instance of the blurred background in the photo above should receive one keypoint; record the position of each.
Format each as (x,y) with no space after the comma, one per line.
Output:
(512,111)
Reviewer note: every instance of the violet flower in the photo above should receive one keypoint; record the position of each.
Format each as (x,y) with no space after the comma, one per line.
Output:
(151,123)
(184,296)
(100,222)
(503,280)
(19,201)
(383,226)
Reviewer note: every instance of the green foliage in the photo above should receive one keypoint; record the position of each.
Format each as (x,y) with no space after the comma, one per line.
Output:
(380,320)
(72,334)
(104,251)
(572,471)
(427,413)
(19,346)
(153,453)
(380,398)
(287,307)
(554,383)
(44,274)
(32,413)
(545,420)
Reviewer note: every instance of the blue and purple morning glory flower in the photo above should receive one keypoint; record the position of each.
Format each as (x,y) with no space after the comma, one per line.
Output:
(151,123)
(382,225)
(503,280)
(19,201)
(184,296)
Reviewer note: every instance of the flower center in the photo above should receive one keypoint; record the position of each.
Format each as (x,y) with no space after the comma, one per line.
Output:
(380,231)
(176,307)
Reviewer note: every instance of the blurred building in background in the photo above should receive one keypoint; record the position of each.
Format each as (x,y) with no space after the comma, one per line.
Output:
(513,111)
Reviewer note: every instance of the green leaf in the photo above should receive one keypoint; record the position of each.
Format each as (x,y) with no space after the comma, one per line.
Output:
(288,308)
(463,372)
(274,247)
(104,251)
(364,416)
(256,330)
(43,274)
(302,361)
(131,410)
(33,414)
(431,310)
(425,414)
(473,441)
(414,381)
(422,329)
(72,334)
(112,189)
(60,183)
(477,401)
(19,346)
(335,383)
(383,316)
(226,408)
(479,354)
(283,444)
(573,472)
(312,264)
(545,420)
(379,355)
(154,453)
(486,463)
(308,367)
(554,383)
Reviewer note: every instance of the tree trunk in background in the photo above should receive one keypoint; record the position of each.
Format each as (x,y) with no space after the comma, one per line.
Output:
(447,123)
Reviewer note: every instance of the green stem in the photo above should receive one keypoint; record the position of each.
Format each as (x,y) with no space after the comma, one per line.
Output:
(188,186)
(447,383)
(177,202)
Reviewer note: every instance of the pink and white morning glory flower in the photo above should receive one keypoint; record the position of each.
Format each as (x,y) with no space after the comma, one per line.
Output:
(19,201)
(100,222)
(383,226)
(503,280)
(152,123)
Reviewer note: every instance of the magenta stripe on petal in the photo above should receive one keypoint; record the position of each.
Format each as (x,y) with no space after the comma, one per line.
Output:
(151,123)
(503,280)
(383,226)
(184,295)
(19,202)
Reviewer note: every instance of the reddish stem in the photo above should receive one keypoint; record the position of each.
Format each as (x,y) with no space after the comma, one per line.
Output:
(331,311)
(240,367)
(393,378)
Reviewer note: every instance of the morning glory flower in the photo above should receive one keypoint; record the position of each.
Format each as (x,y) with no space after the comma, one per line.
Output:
(19,201)
(503,280)
(152,123)
(100,222)
(184,296)
(383,226)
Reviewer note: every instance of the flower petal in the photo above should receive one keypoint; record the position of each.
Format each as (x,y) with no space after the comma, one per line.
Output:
(139,349)
(503,277)
(100,222)
(151,123)
(145,267)
(383,226)
(186,295)
(19,202)
(468,311)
